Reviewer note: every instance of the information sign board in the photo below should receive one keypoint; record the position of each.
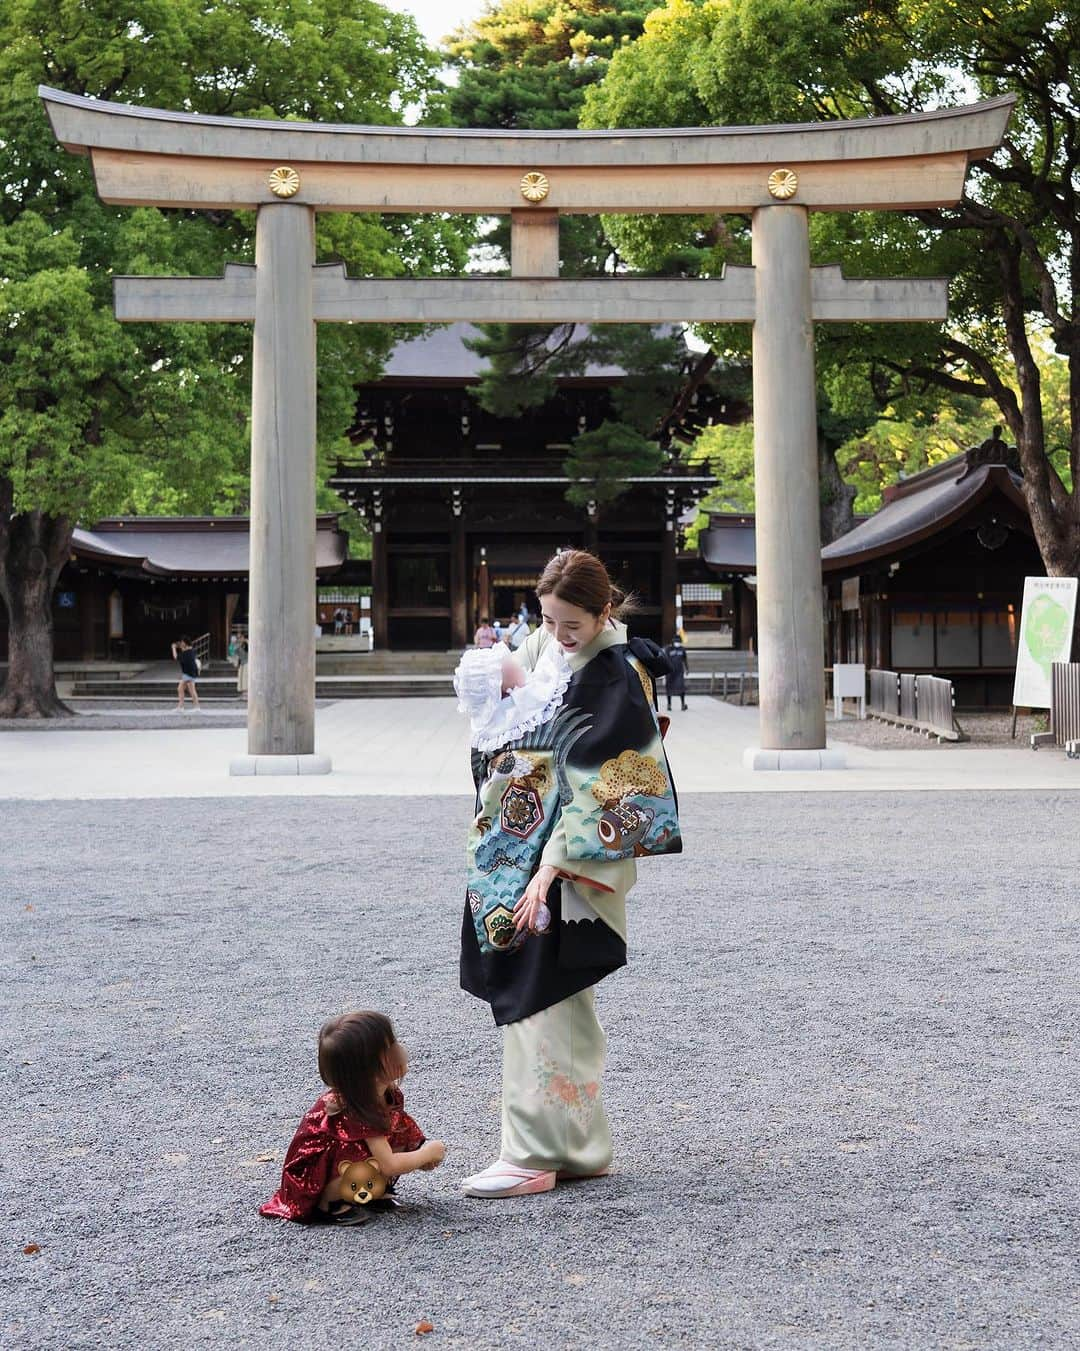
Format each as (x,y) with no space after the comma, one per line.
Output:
(1046,631)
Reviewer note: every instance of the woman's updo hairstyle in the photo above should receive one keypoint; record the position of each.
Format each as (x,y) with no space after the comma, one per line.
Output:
(579,578)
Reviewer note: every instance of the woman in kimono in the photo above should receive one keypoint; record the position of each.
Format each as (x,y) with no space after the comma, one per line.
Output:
(562,815)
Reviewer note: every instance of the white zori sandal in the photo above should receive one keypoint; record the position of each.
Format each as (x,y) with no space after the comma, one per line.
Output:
(507,1179)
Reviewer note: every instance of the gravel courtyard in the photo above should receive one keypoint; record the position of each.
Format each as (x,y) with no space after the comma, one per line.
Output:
(842,1081)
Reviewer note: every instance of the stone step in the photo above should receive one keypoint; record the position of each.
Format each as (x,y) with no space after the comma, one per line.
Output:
(119,690)
(387,663)
(216,688)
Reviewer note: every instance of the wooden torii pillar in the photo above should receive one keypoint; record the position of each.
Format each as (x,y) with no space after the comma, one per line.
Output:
(287,171)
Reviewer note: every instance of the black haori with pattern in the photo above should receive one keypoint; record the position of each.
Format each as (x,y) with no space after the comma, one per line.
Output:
(598,768)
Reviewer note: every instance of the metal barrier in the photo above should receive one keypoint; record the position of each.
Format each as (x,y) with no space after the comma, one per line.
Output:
(1064,710)
(743,679)
(919,703)
(909,698)
(936,703)
(201,648)
(884,693)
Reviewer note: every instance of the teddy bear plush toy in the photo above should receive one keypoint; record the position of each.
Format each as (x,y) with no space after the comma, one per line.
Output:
(356,1184)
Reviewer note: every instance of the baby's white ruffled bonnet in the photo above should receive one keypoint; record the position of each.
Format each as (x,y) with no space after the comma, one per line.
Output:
(496,719)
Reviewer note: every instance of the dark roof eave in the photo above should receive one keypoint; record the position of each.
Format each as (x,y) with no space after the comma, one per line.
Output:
(997,477)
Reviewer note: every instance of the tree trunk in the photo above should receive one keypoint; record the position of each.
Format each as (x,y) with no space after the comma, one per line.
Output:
(837,497)
(33,550)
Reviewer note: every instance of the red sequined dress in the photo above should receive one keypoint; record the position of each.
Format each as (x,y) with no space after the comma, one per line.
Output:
(325,1138)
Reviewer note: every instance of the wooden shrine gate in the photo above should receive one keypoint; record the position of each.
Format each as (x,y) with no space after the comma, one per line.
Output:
(287,171)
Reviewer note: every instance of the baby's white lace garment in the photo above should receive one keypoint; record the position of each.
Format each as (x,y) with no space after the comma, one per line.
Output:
(496,719)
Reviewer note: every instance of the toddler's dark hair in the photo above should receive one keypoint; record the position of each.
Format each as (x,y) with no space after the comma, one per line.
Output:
(354,1050)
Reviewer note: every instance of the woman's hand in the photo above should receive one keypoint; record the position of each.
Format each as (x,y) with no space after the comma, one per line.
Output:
(534,896)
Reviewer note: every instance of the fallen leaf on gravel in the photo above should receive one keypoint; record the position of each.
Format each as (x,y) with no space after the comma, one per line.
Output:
(216,1315)
(423,1328)
(28,907)
(312,1284)
(267,1156)
(273,1297)
(175,1158)
(31,1249)
(853,1146)
(575,1278)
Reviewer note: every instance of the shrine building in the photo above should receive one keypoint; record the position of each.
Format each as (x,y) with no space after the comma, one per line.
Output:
(931,583)
(465,508)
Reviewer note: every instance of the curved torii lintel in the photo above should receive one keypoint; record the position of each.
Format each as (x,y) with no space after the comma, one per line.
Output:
(150,156)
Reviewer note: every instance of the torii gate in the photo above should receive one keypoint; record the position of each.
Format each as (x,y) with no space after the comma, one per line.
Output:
(287,171)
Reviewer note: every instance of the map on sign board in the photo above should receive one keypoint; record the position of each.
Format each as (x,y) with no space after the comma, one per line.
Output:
(1046,631)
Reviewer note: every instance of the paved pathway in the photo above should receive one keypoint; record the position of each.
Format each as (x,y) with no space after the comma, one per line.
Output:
(842,1080)
(417,746)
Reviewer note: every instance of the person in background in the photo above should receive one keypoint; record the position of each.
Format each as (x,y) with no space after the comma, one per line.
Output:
(485,635)
(680,664)
(519,630)
(500,632)
(184,656)
(242,664)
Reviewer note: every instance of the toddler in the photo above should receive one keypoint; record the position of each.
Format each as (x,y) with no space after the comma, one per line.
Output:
(362,1116)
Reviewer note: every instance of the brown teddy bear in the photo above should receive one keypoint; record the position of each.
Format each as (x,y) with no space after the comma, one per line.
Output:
(357,1183)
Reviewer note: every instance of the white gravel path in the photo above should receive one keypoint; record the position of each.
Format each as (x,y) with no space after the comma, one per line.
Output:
(842,1081)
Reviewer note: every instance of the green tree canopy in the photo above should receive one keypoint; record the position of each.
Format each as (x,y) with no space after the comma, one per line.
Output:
(1012,245)
(98,418)
(526,65)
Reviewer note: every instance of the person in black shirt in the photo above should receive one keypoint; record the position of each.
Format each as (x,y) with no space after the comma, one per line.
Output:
(680,664)
(184,655)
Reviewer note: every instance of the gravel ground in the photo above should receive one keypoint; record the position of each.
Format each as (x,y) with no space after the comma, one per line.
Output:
(981,729)
(842,1082)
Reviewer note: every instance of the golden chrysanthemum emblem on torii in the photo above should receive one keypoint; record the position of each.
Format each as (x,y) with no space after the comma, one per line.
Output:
(534,186)
(783,183)
(284,181)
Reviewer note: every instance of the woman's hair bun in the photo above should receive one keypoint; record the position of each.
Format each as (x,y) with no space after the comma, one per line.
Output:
(580,578)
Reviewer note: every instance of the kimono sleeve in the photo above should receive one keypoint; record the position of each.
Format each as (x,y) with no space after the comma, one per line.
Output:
(591,871)
(618,797)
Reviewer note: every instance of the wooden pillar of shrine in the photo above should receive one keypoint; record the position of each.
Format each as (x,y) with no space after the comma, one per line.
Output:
(668,572)
(459,581)
(483,589)
(380,587)
(89,602)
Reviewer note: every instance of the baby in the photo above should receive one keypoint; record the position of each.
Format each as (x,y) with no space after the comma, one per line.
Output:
(502,699)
